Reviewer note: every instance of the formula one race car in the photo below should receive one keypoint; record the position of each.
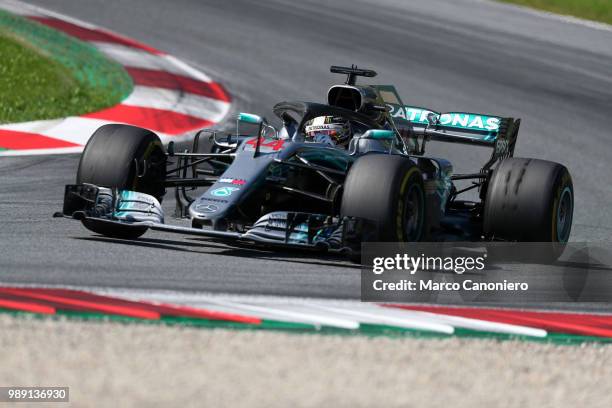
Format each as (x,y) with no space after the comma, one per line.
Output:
(333,176)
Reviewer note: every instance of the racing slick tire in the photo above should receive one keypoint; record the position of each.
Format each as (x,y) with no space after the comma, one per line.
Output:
(388,191)
(123,157)
(530,200)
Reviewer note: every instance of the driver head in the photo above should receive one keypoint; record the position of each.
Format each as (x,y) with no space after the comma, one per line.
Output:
(331,130)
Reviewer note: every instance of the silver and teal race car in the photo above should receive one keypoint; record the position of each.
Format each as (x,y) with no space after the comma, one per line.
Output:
(328,176)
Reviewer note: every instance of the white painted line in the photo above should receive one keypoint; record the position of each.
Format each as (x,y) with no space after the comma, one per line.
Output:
(407,322)
(270,313)
(484,325)
(78,129)
(37,152)
(74,129)
(173,100)
(35,126)
(376,314)
(137,58)
(193,72)
(32,10)
(19,8)
(470,323)
(313,318)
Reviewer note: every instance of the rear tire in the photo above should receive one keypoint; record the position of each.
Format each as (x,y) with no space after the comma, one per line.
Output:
(114,157)
(387,190)
(529,200)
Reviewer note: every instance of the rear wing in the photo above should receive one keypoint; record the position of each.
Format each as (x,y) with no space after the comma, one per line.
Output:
(496,132)
(484,127)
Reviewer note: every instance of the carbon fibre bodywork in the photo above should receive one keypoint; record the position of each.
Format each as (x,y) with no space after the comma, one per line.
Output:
(240,186)
(271,186)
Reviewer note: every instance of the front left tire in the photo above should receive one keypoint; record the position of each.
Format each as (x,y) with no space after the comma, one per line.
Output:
(126,158)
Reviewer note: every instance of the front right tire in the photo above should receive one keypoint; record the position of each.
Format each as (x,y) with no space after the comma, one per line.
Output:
(388,191)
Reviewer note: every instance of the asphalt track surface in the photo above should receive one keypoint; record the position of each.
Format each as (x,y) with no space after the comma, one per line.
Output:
(445,54)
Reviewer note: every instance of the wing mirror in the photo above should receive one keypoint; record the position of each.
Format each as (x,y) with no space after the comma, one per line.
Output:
(250,118)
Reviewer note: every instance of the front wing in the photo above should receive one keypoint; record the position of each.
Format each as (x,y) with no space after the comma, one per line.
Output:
(129,209)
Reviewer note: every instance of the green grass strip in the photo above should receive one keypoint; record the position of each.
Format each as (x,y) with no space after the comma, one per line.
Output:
(371,330)
(45,74)
(598,10)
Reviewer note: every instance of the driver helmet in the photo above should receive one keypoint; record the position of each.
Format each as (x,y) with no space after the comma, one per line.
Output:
(332,130)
